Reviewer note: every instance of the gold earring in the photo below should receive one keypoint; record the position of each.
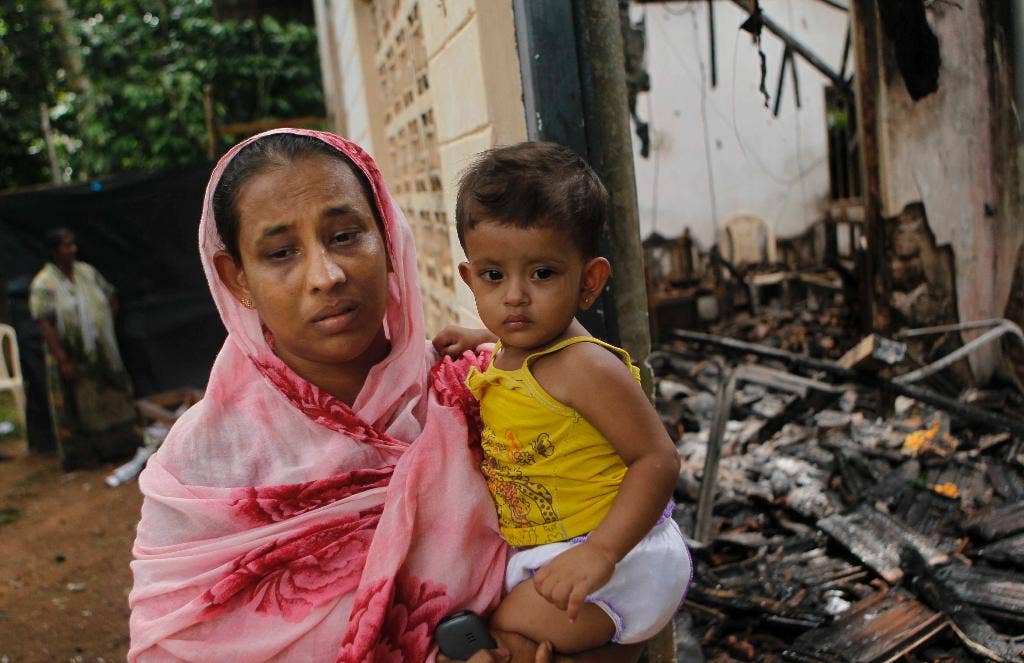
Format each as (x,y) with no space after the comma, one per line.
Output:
(246,302)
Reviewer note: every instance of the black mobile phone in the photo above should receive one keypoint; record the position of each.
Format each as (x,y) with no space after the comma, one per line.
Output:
(462,634)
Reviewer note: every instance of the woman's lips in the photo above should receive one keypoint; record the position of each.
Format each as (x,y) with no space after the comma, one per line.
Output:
(337,320)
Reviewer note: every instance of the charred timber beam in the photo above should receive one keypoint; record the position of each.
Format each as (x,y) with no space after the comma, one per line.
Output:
(1009,550)
(958,410)
(880,627)
(998,523)
(835,5)
(986,589)
(798,47)
(876,539)
(711,44)
(791,358)
(875,280)
(973,630)
(709,480)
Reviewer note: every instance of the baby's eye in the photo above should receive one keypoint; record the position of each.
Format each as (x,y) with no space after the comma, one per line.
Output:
(543,273)
(491,275)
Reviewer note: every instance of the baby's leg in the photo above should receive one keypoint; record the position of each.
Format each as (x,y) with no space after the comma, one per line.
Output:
(526,612)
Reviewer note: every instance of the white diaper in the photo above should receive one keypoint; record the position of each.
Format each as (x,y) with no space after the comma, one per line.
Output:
(646,589)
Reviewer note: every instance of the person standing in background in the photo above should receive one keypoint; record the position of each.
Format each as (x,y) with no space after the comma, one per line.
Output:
(91,402)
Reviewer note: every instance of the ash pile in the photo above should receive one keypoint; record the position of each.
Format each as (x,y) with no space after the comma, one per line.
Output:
(844,500)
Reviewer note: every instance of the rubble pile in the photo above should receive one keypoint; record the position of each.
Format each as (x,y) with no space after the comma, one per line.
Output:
(831,518)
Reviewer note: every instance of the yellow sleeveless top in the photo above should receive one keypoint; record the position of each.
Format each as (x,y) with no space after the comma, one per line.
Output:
(552,475)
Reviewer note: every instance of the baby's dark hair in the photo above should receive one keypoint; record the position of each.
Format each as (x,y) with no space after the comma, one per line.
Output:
(534,185)
(273,151)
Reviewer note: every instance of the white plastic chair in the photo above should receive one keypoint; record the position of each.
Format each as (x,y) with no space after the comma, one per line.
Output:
(748,240)
(10,370)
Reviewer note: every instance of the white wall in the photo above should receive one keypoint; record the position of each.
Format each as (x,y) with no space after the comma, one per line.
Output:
(341,68)
(718,152)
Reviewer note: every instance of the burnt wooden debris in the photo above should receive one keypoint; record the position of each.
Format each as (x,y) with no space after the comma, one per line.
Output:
(840,519)
(885,624)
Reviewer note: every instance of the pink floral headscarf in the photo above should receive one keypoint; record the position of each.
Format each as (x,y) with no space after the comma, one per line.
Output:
(279,523)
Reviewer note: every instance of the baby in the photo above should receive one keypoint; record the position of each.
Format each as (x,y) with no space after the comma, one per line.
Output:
(578,463)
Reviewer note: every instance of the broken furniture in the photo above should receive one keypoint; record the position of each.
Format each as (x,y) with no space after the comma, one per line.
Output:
(10,370)
(672,274)
(824,259)
(748,243)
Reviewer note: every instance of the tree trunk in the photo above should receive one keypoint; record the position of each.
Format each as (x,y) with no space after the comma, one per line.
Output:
(67,43)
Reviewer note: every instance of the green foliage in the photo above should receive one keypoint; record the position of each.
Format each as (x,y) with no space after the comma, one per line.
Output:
(28,77)
(147,62)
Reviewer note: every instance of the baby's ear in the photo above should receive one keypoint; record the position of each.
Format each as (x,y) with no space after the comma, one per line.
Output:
(464,273)
(595,276)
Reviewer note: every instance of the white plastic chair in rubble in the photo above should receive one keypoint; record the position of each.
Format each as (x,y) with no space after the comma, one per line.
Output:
(10,370)
(748,241)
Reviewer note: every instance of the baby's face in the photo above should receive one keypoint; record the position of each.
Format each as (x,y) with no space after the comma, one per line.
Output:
(527,281)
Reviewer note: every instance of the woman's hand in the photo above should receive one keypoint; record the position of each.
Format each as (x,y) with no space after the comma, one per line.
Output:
(64,363)
(543,654)
(574,574)
(482,656)
(454,340)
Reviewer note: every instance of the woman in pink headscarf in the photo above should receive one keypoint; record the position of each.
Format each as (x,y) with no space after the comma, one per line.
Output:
(322,502)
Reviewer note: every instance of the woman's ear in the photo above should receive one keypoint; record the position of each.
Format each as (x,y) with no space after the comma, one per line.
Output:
(595,276)
(232,276)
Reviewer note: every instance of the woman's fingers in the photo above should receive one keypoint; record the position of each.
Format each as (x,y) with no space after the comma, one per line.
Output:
(491,656)
(544,654)
(482,656)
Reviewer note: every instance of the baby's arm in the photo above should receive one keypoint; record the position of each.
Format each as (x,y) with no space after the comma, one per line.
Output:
(454,340)
(601,388)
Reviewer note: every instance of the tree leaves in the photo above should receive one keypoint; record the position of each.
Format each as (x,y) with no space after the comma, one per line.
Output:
(147,62)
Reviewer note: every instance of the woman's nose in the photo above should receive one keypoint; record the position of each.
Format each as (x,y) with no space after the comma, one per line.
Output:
(324,271)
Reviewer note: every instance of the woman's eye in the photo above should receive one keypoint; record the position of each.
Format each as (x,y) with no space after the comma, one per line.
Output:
(491,275)
(346,237)
(543,273)
(280,254)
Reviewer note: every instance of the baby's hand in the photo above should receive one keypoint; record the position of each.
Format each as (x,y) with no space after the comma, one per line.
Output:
(567,579)
(454,340)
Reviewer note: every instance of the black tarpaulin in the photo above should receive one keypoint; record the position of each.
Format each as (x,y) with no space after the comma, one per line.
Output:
(140,232)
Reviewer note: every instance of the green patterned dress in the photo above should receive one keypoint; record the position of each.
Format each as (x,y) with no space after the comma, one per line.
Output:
(94,414)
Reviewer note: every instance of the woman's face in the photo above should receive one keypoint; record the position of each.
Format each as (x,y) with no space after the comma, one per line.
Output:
(313,262)
(64,254)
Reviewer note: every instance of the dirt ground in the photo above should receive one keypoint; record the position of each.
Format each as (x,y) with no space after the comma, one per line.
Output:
(65,544)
